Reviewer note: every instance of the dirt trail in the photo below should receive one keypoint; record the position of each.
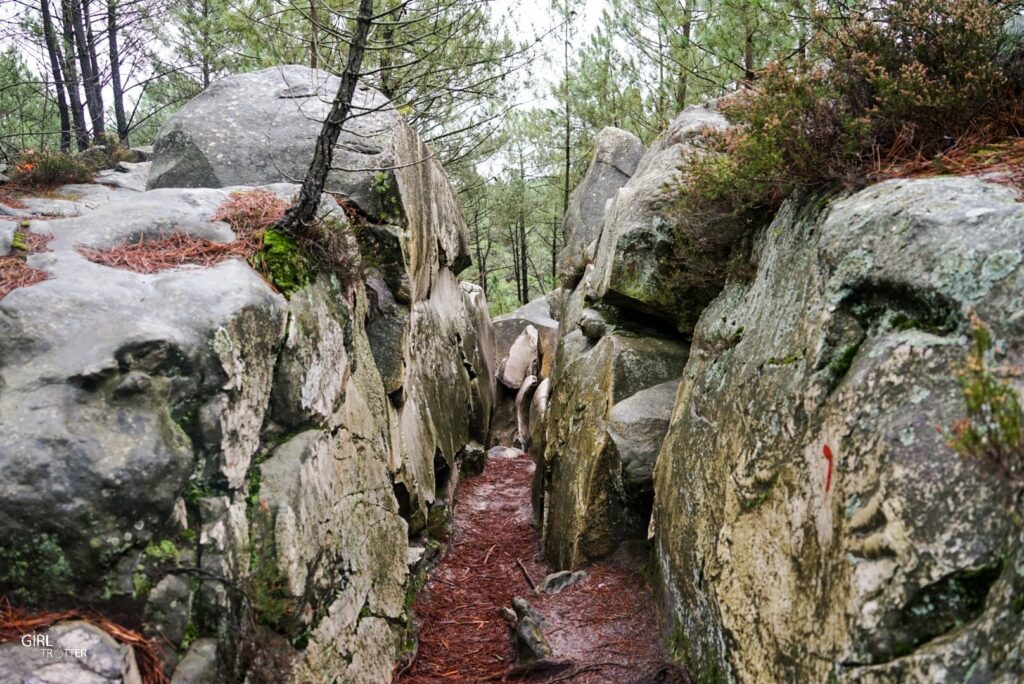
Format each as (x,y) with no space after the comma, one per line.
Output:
(603,629)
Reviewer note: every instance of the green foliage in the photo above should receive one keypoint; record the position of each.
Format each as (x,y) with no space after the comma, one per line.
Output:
(33,571)
(265,587)
(49,168)
(992,433)
(905,80)
(282,259)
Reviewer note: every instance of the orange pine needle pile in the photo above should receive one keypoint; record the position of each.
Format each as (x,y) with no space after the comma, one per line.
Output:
(248,213)
(15,272)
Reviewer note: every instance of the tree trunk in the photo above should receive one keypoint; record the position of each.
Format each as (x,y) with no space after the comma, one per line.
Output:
(682,83)
(71,80)
(89,80)
(115,72)
(53,52)
(314,34)
(568,149)
(300,219)
(748,48)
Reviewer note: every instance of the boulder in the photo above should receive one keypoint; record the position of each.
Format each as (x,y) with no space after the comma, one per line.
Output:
(538,415)
(261,127)
(508,327)
(523,401)
(616,156)
(531,644)
(194,423)
(75,651)
(578,483)
(804,488)
(522,360)
(199,666)
(637,427)
(636,264)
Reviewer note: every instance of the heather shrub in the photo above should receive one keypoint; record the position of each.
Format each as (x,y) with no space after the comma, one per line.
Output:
(992,432)
(898,80)
(49,168)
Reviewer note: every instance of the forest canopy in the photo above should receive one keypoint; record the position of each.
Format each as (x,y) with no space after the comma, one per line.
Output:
(509,97)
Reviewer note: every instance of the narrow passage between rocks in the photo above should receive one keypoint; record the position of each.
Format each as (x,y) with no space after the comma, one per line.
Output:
(601,629)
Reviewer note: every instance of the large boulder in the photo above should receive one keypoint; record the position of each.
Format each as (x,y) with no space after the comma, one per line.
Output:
(811,522)
(261,127)
(616,156)
(198,452)
(636,265)
(508,327)
(578,483)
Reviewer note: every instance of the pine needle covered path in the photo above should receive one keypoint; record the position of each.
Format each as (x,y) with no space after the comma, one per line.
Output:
(604,629)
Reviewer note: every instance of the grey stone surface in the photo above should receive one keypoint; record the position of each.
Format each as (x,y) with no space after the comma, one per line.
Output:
(73,652)
(7,229)
(556,582)
(616,156)
(523,400)
(637,427)
(585,510)
(126,175)
(508,327)
(523,359)
(531,644)
(636,262)
(199,666)
(903,562)
(260,127)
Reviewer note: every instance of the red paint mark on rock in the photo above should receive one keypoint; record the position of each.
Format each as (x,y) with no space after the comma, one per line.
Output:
(828,474)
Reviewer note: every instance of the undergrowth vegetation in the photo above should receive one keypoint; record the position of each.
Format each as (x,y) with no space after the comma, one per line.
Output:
(896,82)
(992,433)
(49,168)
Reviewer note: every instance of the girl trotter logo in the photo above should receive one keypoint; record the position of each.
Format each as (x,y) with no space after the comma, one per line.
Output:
(42,643)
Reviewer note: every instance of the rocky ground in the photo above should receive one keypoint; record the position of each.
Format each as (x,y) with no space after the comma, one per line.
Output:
(600,628)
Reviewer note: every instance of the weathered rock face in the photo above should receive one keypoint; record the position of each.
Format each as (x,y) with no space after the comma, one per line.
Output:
(260,127)
(616,155)
(508,327)
(635,265)
(894,560)
(204,454)
(579,481)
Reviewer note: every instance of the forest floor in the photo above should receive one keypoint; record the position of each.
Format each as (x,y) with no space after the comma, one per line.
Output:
(603,629)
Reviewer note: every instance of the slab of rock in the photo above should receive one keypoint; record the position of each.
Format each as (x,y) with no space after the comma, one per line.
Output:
(531,644)
(260,127)
(556,582)
(7,230)
(636,264)
(508,327)
(896,553)
(616,156)
(199,666)
(75,651)
(637,427)
(523,400)
(522,360)
(578,482)
(538,415)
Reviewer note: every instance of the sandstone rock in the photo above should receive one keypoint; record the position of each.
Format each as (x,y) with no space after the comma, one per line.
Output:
(508,328)
(616,155)
(538,415)
(523,400)
(578,481)
(126,175)
(531,644)
(896,554)
(7,229)
(522,360)
(635,265)
(260,127)
(558,581)
(637,427)
(199,666)
(78,652)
